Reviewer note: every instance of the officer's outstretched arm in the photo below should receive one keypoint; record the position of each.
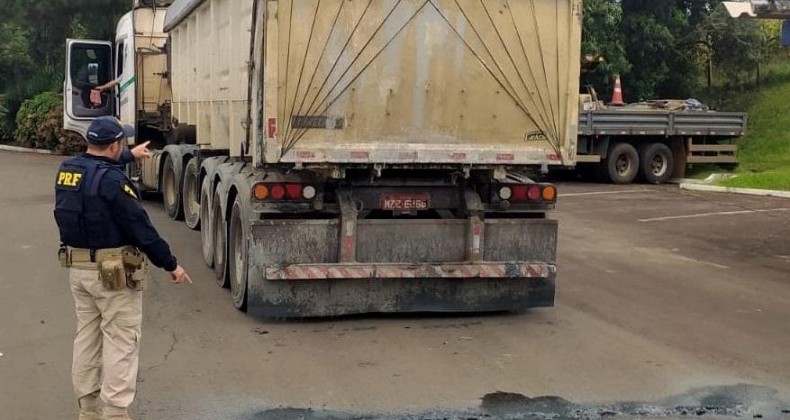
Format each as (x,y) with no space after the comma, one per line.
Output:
(128,212)
(137,152)
(126,157)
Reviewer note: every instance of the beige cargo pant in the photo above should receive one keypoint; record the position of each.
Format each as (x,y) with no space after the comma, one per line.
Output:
(107,345)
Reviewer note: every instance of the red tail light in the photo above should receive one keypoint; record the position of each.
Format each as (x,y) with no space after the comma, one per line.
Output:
(520,193)
(278,192)
(293,191)
(533,193)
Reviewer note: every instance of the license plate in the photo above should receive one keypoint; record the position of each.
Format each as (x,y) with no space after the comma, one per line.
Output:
(405,202)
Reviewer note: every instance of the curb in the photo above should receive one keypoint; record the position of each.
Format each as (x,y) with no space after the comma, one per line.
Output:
(748,191)
(25,150)
(681,181)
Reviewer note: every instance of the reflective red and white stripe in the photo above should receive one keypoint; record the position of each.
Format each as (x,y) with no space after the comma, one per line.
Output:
(410,271)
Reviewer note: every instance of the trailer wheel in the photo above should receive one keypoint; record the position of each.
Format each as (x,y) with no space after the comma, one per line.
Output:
(657,163)
(622,164)
(191,194)
(220,230)
(237,256)
(171,196)
(206,230)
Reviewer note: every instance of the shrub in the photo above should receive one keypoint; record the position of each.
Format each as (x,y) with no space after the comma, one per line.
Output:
(39,124)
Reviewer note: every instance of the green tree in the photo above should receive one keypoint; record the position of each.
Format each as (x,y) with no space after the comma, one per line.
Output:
(657,45)
(738,47)
(601,36)
(15,60)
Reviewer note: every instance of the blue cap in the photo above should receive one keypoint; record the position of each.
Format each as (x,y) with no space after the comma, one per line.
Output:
(108,130)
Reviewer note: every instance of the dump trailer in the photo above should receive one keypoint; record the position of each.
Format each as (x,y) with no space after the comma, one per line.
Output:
(346,156)
(654,141)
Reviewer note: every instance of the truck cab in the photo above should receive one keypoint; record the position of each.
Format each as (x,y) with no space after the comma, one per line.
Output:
(136,63)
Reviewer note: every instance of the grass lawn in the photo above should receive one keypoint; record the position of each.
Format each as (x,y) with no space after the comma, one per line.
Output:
(778,179)
(764,152)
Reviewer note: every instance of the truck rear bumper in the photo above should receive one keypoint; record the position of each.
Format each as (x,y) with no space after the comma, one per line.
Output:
(295,267)
(332,297)
(485,270)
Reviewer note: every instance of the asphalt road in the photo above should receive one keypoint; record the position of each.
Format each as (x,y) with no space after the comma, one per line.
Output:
(666,298)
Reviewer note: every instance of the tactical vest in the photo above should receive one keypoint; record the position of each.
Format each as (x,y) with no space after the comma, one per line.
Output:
(84,219)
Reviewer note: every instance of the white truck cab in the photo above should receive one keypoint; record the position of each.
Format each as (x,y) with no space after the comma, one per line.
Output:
(135,61)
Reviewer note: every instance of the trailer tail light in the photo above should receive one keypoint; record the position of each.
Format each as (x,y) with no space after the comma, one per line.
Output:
(308,192)
(520,193)
(293,191)
(260,191)
(528,193)
(549,193)
(283,192)
(533,193)
(278,192)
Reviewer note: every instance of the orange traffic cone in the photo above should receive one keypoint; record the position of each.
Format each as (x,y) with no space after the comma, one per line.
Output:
(617,96)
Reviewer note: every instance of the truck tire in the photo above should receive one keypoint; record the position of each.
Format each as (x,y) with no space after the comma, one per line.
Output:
(237,255)
(171,190)
(622,164)
(656,162)
(191,195)
(206,229)
(220,234)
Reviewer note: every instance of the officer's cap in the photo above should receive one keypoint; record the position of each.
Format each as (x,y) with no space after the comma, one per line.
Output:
(108,130)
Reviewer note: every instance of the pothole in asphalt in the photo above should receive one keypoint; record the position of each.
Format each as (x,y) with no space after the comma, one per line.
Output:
(736,401)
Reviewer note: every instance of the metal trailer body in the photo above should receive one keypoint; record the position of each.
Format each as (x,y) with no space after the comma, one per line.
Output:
(376,156)
(330,83)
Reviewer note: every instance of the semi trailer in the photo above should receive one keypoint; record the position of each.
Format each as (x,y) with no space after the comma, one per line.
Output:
(343,156)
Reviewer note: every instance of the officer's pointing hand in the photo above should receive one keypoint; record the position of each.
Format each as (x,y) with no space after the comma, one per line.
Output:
(141,151)
(179,276)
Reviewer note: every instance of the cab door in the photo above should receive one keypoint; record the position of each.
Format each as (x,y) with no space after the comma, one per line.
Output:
(89,64)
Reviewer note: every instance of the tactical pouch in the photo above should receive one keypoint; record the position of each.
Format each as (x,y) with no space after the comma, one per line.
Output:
(135,266)
(112,274)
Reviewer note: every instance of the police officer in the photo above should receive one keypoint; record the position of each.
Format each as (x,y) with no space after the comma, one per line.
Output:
(106,236)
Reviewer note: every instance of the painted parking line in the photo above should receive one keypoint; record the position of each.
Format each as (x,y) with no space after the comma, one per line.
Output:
(719,213)
(712,264)
(602,193)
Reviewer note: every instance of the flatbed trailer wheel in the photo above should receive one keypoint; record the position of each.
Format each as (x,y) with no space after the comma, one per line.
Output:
(191,195)
(206,229)
(237,255)
(220,233)
(171,190)
(656,162)
(622,164)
